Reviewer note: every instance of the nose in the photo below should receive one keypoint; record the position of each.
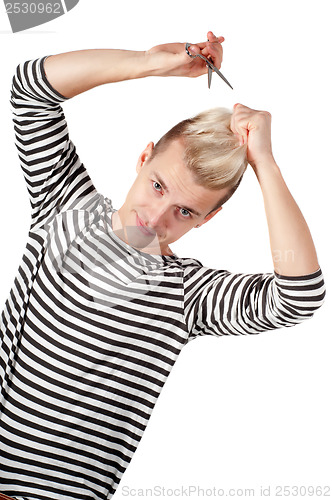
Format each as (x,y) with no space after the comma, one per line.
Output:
(158,216)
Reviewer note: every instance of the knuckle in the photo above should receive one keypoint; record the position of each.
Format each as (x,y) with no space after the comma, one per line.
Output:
(264,115)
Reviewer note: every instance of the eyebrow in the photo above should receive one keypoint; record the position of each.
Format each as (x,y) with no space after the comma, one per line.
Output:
(161,182)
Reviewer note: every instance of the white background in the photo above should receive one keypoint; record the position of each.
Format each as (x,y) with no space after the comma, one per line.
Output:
(236,412)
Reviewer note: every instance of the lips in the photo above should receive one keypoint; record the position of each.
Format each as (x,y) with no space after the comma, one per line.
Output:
(142,227)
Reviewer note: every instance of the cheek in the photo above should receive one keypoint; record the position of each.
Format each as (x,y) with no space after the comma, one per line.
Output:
(180,227)
(177,230)
(143,194)
(139,193)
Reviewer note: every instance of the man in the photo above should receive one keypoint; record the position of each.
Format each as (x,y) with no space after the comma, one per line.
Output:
(101,307)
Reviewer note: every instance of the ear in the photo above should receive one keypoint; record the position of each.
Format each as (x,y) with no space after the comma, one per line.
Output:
(144,156)
(209,216)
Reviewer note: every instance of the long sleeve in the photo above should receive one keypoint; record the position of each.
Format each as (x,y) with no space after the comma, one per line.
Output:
(54,174)
(219,302)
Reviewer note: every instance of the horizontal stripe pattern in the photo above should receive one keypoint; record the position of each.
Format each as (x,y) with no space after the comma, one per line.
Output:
(92,327)
(218,302)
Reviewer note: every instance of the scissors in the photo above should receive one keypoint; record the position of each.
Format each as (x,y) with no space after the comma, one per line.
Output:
(210,66)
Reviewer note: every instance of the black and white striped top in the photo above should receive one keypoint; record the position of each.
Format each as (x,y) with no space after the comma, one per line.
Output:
(92,327)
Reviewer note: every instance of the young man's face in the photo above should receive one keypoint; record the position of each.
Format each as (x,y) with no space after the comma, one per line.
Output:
(164,202)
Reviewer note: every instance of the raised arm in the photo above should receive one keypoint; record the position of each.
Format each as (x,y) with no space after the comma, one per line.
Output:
(72,73)
(292,247)
(55,176)
(223,303)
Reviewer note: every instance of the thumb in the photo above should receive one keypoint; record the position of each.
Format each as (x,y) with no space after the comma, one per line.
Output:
(194,49)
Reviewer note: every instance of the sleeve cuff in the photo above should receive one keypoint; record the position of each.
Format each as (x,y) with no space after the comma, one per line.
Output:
(315,274)
(308,290)
(46,81)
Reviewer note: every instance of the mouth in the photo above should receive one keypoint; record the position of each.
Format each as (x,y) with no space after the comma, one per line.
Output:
(143,228)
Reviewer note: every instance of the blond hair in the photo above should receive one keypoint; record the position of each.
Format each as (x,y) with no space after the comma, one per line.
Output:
(212,150)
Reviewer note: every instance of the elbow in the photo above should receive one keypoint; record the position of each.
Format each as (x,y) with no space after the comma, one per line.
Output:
(318,300)
(312,303)
(299,298)
(16,86)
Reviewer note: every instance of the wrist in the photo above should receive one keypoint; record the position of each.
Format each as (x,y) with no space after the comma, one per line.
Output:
(265,167)
(146,64)
(154,63)
(139,64)
(163,62)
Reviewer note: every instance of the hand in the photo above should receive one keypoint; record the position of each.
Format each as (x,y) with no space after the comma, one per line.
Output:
(253,128)
(171,59)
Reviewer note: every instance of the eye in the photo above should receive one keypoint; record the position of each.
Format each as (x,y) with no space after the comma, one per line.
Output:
(185,213)
(157,186)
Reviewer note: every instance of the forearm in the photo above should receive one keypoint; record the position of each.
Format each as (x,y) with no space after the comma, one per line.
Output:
(72,73)
(292,247)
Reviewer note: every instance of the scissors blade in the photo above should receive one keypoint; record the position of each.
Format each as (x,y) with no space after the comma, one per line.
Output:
(209,76)
(210,66)
(221,76)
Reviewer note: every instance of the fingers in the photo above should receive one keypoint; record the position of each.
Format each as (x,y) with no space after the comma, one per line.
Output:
(239,122)
(212,38)
(213,49)
(194,49)
(210,49)
(244,120)
(214,52)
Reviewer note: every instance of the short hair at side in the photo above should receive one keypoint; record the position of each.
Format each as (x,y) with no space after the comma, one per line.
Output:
(212,150)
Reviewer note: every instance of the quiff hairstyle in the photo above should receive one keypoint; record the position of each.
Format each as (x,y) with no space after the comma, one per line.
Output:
(212,150)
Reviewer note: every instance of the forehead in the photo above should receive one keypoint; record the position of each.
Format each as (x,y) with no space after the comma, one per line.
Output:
(173,174)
